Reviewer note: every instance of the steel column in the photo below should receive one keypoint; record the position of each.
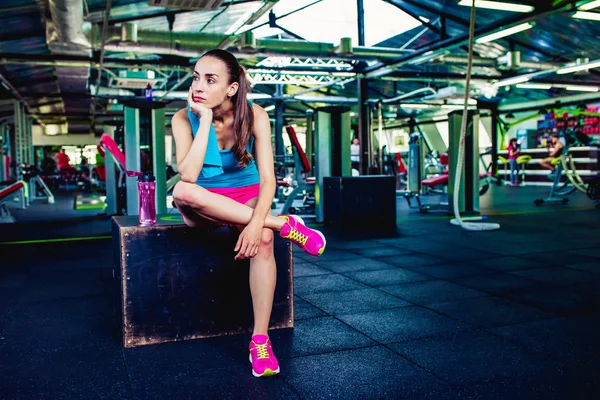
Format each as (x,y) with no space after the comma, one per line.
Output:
(158,159)
(132,156)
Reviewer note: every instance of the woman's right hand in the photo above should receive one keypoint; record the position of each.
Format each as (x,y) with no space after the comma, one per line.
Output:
(198,108)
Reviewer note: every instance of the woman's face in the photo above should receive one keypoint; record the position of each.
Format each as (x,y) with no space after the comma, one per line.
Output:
(210,83)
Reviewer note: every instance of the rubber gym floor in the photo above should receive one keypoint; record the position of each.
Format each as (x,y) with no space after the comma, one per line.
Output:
(436,313)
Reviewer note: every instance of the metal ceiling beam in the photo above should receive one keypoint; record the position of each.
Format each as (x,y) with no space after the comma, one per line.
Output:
(412,76)
(195,44)
(23,35)
(414,16)
(283,16)
(438,48)
(34,82)
(557,102)
(20,98)
(465,23)
(115,21)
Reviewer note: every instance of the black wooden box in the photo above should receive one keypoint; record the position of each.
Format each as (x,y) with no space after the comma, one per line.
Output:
(178,283)
(362,203)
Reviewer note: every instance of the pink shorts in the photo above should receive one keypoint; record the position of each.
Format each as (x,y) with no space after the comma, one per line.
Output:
(241,195)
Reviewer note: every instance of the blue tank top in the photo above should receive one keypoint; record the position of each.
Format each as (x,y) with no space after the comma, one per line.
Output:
(233,176)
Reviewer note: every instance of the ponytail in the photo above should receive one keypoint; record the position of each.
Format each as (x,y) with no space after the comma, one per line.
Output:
(243,121)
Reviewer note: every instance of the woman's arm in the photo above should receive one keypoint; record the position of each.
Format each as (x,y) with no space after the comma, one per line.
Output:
(264,162)
(190,151)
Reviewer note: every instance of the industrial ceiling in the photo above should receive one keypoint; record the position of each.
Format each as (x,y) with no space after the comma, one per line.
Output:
(73,62)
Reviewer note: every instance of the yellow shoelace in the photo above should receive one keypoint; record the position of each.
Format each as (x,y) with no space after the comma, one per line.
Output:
(262,351)
(297,236)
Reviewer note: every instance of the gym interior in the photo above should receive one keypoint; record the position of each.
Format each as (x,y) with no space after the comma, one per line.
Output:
(447,149)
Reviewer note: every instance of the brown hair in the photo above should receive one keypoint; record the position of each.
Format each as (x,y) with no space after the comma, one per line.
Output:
(243,115)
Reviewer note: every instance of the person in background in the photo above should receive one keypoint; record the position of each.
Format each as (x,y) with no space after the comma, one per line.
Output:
(63,160)
(48,165)
(513,153)
(355,154)
(554,150)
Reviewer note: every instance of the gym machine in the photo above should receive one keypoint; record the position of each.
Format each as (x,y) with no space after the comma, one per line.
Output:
(144,143)
(331,145)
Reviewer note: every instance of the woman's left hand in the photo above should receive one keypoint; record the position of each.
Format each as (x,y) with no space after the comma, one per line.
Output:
(249,240)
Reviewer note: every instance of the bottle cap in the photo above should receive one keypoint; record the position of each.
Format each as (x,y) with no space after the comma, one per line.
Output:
(146,177)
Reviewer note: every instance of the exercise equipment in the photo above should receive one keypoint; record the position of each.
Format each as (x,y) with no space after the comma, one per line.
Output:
(116,174)
(18,190)
(332,149)
(303,183)
(560,189)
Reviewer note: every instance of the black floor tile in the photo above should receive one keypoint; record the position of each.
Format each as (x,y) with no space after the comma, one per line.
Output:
(45,335)
(386,277)
(470,357)
(308,269)
(571,383)
(354,301)
(402,324)
(198,380)
(447,271)
(586,253)
(555,276)
(380,251)
(576,299)
(510,263)
(422,293)
(50,285)
(324,283)
(571,339)
(460,254)
(357,264)
(498,283)
(304,310)
(74,371)
(489,311)
(411,260)
(353,244)
(13,279)
(593,267)
(316,336)
(333,255)
(58,338)
(372,373)
(60,309)
(552,258)
(100,261)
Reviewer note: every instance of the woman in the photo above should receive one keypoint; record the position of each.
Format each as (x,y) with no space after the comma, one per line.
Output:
(513,153)
(222,183)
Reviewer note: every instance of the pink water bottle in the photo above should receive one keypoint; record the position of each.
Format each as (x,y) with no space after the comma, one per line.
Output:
(147,200)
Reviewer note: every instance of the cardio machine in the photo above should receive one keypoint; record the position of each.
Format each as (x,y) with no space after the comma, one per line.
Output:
(574,182)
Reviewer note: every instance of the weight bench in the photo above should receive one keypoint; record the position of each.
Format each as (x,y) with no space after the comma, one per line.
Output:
(8,194)
(177,283)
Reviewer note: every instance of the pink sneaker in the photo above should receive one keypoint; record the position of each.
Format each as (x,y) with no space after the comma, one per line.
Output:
(262,358)
(311,241)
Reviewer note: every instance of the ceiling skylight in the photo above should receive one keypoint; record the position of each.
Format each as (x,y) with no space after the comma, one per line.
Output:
(330,20)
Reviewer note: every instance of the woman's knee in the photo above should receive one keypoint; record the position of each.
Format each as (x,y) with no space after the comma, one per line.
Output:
(266,238)
(186,194)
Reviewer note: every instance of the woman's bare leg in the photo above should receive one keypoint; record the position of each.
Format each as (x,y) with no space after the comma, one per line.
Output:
(219,208)
(263,277)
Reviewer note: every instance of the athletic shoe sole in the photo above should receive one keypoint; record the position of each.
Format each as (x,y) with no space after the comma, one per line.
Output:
(268,371)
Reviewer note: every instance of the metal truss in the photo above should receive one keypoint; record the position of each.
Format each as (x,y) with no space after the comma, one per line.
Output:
(310,63)
(268,77)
